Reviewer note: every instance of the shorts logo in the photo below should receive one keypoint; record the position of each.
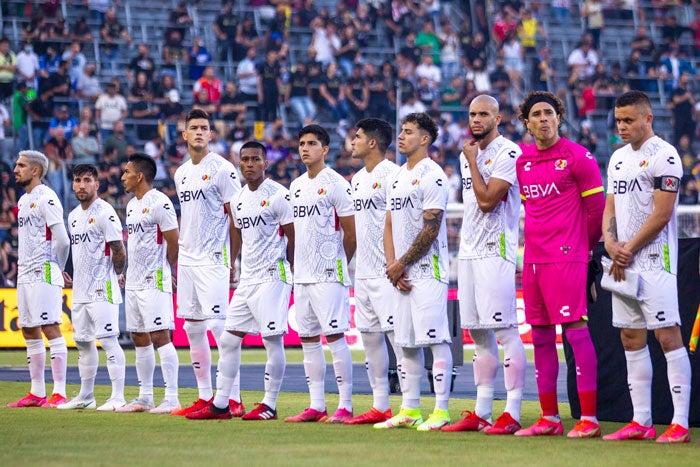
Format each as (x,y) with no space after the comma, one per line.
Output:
(44,316)
(375,186)
(390,320)
(216,309)
(497,317)
(644,164)
(271,326)
(431,333)
(660,316)
(560,164)
(108,327)
(565,311)
(333,324)
(157,321)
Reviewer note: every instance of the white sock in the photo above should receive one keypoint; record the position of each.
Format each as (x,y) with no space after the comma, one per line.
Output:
(170,366)
(679,374)
(274,369)
(200,353)
(88,360)
(218,328)
(639,375)
(229,367)
(442,374)
(398,352)
(36,360)
(116,365)
(59,364)
(377,368)
(514,366)
(342,365)
(485,370)
(315,369)
(413,364)
(145,366)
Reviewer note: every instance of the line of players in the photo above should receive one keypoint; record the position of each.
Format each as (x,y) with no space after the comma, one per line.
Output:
(397,214)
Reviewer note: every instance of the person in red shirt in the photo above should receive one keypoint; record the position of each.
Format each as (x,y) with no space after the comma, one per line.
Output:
(211,84)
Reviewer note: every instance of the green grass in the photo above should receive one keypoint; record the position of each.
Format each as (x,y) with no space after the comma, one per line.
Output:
(52,437)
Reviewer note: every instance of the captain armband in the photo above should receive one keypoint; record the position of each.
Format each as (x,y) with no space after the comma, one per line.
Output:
(667,183)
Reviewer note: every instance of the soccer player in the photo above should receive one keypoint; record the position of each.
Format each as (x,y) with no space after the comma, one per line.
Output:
(415,245)
(205,184)
(98,259)
(263,221)
(562,191)
(487,256)
(641,237)
(374,310)
(152,250)
(43,252)
(324,220)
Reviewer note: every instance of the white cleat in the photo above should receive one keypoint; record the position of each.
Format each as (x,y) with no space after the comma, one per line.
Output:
(111,405)
(78,403)
(166,407)
(136,405)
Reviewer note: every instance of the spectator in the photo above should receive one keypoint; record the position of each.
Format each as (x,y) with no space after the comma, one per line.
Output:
(161,88)
(429,42)
(410,105)
(454,184)
(147,113)
(86,115)
(275,129)
(59,83)
(201,102)
(116,143)
(4,122)
(155,148)
(357,93)
(246,36)
(499,78)
(88,86)
(112,32)
(40,110)
(80,31)
(8,66)
(98,9)
(449,46)
(20,103)
(63,120)
(216,144)
(592,11)
(177,151)
(211,84)
(139,88)
(298,94)
(59,33)
(675,64)
(85,147)
(477,49)
(427,69)
(681,104)
(363,23)
(584,97)
(239,131)
(276,34)
(247,75)
(349,50)
(199,58)
(27,65)
(60,154)
(109,108)
(172,112)
(180,19)
(689,193)
(269,85)
(232,103)
(142,62)
(324,41)
(36,32)
(643,43)
(587,138)
(224,28)
(410,51)
(480,76)
(9,258)
(671,32)
(582,61)
(504,21)
(48,62)
(685,151)
(76,60)
(513,54)
(333,92)
(542,70)
(636,72)
(451,95)
(695,27)
(470,92)
(173,50)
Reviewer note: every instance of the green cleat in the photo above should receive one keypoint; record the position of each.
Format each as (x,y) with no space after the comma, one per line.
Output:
(406,418)
(437,420)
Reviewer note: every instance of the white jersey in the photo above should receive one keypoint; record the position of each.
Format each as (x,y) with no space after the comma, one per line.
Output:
(146,220)
(37,212)
(91,229)
(369,197)
(495,233)
(412,192)
(632,178)
(260,215)
(318,202)
(203,189)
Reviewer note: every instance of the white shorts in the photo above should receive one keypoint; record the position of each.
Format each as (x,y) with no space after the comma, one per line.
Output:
(95,320)
(322,308)
(259,308)
(421,314)
(39,304)
(374,309)
(487,293)
(202,292)
(149,310)
(656,307)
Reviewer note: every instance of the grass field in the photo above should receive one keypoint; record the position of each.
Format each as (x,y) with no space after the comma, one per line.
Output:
(52,437)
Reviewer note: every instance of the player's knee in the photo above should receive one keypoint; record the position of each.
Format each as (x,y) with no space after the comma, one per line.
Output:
(195,327)
(633,339)
(670,339)
(229,341)
(160,338)
(51,331)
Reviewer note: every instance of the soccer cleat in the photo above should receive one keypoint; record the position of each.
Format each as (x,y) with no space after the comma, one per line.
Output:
(504,425)
(136,405)
(585,429)
(438,419)
(30,400)
(675,434)
(308,415)
(111,405)
(471,422)
(78,403)
(199,404)
(632,431)
(54,401)
(261,412)
(371,416)
(406,418)
(340,416)
(237,408)
(542,427)
(210,412)
(166,407)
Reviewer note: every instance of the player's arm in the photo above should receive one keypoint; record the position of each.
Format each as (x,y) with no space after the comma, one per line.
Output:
(488,195)
(235,242)
(347,223)
(394,269)
(118,255)
(432,218)
(288,230)
(616,249)
(171,237)
(60,243)
(389,252)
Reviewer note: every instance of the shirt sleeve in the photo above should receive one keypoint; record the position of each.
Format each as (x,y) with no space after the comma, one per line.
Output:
(164,215)
(585,170)
(435,192)
(111,225)
(667,169)
(52,209)
(228,182)
(505,164)
(283,207)
(341,198)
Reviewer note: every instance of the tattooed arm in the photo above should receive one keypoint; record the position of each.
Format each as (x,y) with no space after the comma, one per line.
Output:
(618,253)
(118,255)
(432,218)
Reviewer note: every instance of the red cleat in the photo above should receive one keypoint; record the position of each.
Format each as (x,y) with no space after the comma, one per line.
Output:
(210,412)
(199,404)
(261,412)
(30,400)
(237,408)
(371,416)
(504,425)
(308,415)
(471,422)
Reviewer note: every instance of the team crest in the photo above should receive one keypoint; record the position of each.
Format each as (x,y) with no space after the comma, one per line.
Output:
(264,203)
(32,206)
(415,182)
(91,220)
(376,186)
(560,164)
(644,164)
(145,211)
(322,191)
(205,177)
(488,162)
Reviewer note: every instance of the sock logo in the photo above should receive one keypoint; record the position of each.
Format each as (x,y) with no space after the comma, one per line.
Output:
(366,365)
(439,377)
(506,363)
(196,365)
(339,379)
(676,389)
(578,371)
(267,376)
(308,380)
